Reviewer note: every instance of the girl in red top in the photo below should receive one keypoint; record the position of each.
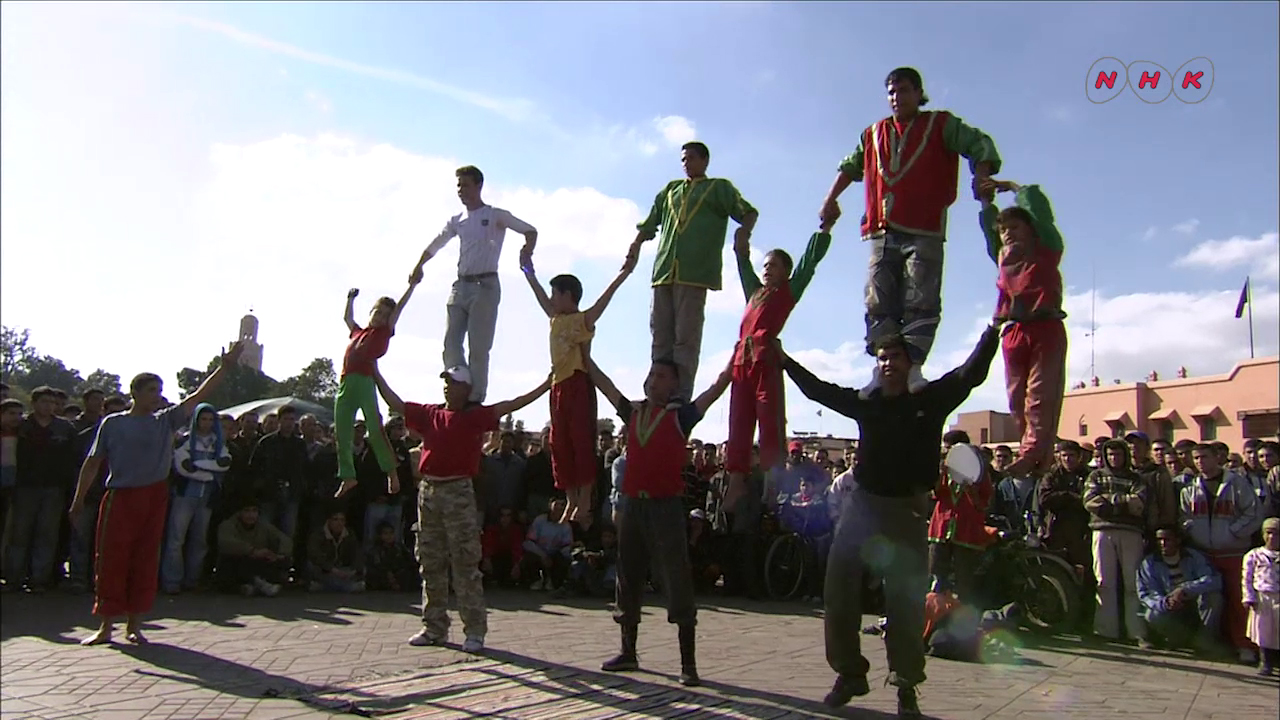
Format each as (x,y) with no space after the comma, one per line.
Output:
(757,394)
(356,389)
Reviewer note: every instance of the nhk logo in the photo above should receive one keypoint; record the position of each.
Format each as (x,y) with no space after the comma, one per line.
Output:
(1151,82)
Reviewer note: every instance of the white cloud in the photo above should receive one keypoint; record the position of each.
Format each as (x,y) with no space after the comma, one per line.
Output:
(675,130)
(1186,228)
(321,103)
(1260,255)
(1150,233)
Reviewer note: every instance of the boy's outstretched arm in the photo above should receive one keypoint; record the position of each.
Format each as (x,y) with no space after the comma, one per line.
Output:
(415,277)
(814,251)
(595,311)
(746,274)
(544,300)
(709,396)
(605,385)
(349,317)
(510,406)
(394,403)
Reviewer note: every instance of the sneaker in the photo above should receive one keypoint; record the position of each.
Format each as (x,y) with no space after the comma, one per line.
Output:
(1248,656)
(866,391)
(473,644)
(266,588)
(425,639)
(915,380)
(846,689)
(908,704)
(248,590)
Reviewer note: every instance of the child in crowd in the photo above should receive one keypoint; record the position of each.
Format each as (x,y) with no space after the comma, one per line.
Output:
(1026,245)
(1261,590)
(756,395)
(390,565)
(573,397)
(356,389)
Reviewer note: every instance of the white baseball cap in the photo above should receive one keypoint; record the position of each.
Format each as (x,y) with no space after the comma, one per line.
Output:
(458,374)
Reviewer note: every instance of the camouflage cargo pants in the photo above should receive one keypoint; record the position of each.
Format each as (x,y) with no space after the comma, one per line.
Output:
(449,544)
(904,291)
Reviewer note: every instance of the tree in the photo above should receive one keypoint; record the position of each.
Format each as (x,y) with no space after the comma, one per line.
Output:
(100,379)
(317,382)
(188,380)
(241,385)
(49,370)
(15,352)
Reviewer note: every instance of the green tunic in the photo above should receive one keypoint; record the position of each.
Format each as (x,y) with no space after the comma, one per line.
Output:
(817,248)
(969,142)
(1032,199)
(694,217)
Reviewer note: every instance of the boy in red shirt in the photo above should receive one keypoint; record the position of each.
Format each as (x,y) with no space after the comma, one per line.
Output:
(448,530)
(356,388)
(573,398)
(1026,245)
(757,393)
(652,525)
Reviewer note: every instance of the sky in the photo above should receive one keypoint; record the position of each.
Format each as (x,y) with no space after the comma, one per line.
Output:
(168,167)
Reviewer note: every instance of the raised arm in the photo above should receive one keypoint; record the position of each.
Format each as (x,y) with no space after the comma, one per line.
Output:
(389,396)
(415,277)
(713,393)
(595,311)
(833,397)
(544,301)
(814,251)
(229,360)
(956,385)
(349,315)
(511,406)
(746,273)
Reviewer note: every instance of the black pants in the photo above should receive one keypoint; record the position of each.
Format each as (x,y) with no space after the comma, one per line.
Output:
(236,571)
(884,537)
(653,531)
(531,565)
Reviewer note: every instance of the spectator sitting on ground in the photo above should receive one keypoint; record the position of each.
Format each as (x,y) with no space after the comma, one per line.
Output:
(253,555)
(594,571)
(335,559)
(546,549)
(1181,595)
(390,565)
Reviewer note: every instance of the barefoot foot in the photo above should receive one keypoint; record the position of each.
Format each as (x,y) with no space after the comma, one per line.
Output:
(101,637)
(136,637)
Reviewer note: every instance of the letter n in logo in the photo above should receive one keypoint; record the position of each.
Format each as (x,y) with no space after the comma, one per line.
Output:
(1107,78)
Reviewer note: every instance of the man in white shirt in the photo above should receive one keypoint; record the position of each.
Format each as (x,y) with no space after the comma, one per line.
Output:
(472,310)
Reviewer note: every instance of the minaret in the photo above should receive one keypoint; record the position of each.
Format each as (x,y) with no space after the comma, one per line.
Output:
(252,357)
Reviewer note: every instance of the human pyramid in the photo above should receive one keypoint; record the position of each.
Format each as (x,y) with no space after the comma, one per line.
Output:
(909,165)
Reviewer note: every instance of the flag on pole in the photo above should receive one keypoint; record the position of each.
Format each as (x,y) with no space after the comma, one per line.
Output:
(1244,299)
(819,413)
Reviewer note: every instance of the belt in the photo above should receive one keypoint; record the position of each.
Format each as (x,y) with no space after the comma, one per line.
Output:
(477,277)
(1038,315)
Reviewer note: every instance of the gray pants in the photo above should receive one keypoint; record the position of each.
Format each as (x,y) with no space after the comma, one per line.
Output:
(653,531)
(472,312)
(675,320)
(904,291)
(882,537)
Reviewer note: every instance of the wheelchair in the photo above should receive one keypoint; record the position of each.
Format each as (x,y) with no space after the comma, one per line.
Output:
(793,559)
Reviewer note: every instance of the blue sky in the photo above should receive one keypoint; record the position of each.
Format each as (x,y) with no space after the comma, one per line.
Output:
(179,164)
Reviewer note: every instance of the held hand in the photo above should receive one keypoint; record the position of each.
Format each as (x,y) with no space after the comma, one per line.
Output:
(742,236)
(415,277)
(741,245)
(830,211)
(352,293)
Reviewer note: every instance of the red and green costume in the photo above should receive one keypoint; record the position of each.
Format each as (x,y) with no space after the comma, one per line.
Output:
(1035,348)
(757,394)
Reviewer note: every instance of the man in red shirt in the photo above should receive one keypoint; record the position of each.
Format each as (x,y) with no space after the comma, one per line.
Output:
(448,530)
(652,525)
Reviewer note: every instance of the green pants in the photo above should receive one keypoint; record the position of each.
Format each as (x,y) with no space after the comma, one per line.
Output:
(358,392)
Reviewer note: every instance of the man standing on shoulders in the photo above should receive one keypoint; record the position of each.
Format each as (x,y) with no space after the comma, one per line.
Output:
(137,448)
(694,216)
(472,310)
(448,531)
(882,526)
(908,162)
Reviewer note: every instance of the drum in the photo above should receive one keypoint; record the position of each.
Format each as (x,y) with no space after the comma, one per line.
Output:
(965,465)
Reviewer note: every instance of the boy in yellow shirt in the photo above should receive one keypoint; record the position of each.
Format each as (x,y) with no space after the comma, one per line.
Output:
(573,397)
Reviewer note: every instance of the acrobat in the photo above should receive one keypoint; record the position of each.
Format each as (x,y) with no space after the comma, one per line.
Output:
(356,389)
(757,394)
(472,309)
(1026,245)
(573,397)
(694,216)
(909,162)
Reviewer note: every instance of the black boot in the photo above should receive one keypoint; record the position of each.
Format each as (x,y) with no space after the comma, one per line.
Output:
(626,659)
(688,661)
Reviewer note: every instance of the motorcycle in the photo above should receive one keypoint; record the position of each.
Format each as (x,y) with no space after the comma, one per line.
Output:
(1045,587)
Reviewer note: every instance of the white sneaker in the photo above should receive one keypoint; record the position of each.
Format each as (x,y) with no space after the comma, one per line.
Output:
(425,639)
(915,380)
(473,645)
(266,588)
(866,391)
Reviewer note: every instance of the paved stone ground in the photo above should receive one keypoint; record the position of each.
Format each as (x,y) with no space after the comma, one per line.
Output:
(309,656)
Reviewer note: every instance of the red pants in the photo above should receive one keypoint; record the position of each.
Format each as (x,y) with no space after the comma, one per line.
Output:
(130,531)
(1235,618)
(573,432)
(1035,359)
(756,395)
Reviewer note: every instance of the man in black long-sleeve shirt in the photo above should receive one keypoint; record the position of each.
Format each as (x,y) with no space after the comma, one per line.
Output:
(882,524)
(279,470)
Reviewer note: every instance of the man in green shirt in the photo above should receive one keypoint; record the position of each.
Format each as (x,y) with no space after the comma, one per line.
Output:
(693,214)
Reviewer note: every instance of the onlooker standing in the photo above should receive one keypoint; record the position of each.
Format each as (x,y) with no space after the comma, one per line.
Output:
(1116,498)
(46,449)
(201,462)
(279,467)
(504,476)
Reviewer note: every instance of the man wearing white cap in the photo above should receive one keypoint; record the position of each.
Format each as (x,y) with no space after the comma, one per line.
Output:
(448,532)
